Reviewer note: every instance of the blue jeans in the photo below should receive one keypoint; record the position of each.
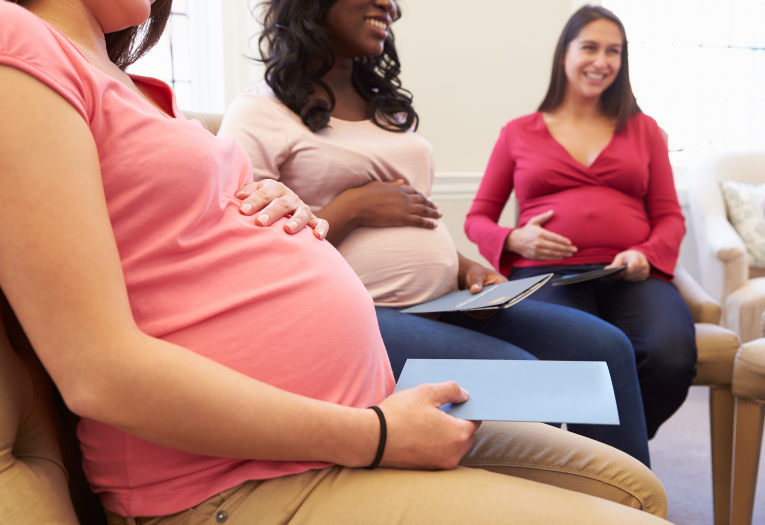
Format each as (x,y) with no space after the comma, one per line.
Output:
(655,319)
(529,330)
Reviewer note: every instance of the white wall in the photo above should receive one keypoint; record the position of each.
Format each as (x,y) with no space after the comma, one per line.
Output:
(472,66)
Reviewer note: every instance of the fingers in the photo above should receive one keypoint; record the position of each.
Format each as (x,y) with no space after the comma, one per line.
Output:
(320,227)
(618,261)
(475,278)
(448,392)
(419,198)
(493,277)
(420,222)
(557,239)
(551,250)
(300,217)
(272,199)
(279,207)
(541,218)
(247,190)
(638,268)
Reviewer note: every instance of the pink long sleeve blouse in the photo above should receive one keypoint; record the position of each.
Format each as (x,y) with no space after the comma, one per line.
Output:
(625,200)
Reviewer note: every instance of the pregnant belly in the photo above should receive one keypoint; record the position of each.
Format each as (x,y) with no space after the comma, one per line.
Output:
(402,266)
(597,219)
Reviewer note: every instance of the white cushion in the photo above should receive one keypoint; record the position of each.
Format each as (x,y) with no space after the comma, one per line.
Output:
(745,204)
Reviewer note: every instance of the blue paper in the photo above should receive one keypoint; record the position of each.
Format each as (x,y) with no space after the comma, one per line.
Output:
(546,391)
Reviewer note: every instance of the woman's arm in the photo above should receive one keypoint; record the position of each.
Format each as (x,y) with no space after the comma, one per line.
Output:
(498,243)
(375,204)
(481,225)
(61,272)
(662,248)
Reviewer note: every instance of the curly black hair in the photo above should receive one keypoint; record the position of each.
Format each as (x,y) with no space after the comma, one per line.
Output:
(296,50)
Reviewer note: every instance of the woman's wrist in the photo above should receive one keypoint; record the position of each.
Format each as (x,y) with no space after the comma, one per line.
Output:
(509,244)
(360,440)
(353,203)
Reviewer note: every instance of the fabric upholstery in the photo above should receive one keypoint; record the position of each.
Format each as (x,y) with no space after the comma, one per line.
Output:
(703,308)
(717,349)
(749,371)
(33,481)
(744,204)
(210,121)
(743,309)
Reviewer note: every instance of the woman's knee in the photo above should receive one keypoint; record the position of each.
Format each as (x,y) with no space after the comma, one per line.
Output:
(563,459)
(669,353)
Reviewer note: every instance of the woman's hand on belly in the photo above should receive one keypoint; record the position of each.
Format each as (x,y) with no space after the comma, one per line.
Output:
(534,242)
(638,268)
(420,436)
(272,200)
(378,205)
(383,204)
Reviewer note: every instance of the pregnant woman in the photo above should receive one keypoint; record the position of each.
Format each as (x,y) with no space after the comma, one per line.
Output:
(594,186)
(332,123)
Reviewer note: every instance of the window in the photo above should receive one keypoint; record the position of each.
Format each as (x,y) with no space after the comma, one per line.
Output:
(698,68)
(189,56)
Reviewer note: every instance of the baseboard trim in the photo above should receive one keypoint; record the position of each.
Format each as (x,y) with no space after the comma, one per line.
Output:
(456,186)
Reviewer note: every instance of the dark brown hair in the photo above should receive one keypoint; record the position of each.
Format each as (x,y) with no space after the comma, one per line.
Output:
(618,101)
(296,50)
(130,44)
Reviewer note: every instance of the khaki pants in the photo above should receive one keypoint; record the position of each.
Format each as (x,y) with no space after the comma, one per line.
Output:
(521,471)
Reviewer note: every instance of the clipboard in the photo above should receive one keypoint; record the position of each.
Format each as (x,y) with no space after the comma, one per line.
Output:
(587,276)
(493,297)
(543,391)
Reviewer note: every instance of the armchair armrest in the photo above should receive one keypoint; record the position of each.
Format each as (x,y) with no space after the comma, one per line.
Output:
(728,263)
(703,308)
(723,239)
(210,121)
(749,371)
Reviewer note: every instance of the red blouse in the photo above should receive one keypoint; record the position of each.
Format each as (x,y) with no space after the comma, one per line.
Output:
(625,200)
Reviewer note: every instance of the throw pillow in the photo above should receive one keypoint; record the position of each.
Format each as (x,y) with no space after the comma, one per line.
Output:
(746,212)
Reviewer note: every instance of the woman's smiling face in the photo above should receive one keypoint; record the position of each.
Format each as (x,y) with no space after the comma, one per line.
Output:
(358,28)
(593,58)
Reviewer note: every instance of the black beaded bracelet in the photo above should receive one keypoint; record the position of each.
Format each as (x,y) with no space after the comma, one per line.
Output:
(383,438)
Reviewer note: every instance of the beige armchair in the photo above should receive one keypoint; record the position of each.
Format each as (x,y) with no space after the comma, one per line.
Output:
(723,261)
(749,392)
(717,348)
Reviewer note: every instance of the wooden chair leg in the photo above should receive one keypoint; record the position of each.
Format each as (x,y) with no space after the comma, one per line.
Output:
(721,409)
(747,441)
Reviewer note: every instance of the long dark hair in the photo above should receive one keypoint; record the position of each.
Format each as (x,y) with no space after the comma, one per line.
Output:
(130,44)
(618,101)
(296,49)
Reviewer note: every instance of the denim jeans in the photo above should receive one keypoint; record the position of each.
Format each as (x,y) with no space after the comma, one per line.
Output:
(529,330)
(655,319)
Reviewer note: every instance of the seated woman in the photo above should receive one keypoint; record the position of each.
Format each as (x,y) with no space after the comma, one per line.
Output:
(594,187)
(223,369)
(332,123)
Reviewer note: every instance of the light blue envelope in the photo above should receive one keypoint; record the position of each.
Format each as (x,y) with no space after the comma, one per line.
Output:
(547,391)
